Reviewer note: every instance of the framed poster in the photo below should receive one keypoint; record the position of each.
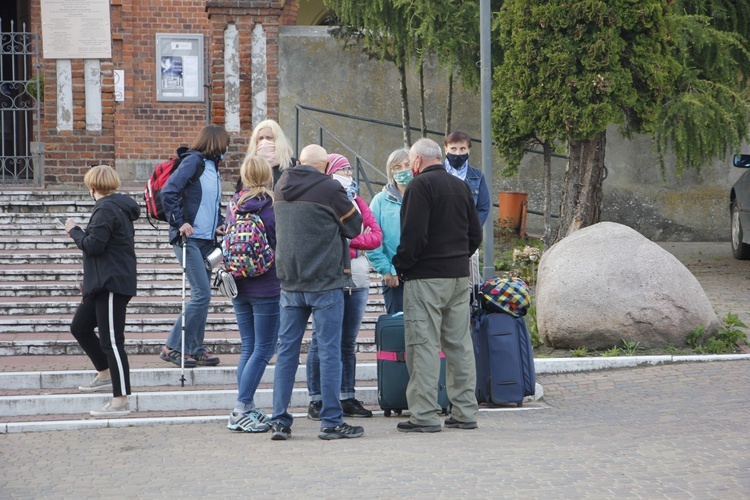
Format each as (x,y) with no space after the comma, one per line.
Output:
(179,67)
(76,29)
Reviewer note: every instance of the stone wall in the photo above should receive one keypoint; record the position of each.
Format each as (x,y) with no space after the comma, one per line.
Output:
(316,71)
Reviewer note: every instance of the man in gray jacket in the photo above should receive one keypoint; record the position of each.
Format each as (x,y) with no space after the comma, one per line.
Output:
(314,218)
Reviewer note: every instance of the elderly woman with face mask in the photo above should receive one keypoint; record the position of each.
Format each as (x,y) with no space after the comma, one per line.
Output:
(386,207)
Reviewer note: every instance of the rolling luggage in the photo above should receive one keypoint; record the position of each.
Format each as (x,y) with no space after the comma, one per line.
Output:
(392,373)
(504,359)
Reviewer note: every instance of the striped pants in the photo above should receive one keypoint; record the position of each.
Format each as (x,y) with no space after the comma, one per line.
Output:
(105,311)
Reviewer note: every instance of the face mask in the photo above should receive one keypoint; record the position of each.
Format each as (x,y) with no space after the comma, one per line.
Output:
(348,184)
(223,155)
(403,177)
(91,193)
(456,161)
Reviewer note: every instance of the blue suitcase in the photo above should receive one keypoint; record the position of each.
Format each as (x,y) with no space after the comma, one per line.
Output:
(504,358)
(392,373)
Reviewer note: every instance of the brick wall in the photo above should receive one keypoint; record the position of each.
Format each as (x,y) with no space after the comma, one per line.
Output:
(141,131)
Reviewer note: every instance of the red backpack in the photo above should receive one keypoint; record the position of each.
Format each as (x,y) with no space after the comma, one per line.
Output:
(157,181)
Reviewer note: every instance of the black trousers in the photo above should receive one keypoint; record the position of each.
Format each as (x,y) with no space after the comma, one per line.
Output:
(105,311)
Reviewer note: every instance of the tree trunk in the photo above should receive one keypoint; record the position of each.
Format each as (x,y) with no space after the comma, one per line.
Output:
(422,118)
(449,105)
(405,120)
(547,194)
(581,201)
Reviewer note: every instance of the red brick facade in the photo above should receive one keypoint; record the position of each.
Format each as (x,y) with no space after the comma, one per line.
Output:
(142,128)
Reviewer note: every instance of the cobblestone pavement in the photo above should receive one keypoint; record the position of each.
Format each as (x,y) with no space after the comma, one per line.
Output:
(670,431)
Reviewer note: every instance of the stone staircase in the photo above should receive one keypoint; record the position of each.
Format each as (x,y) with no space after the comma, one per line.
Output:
(40,269)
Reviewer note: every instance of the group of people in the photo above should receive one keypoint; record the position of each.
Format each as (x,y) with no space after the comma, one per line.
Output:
(421,233)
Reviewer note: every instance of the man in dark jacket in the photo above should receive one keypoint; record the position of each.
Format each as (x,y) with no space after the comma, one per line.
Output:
(439,232)
(314,218)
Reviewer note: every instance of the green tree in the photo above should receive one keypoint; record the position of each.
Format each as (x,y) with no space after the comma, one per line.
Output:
(707,115)
(571,68)
(674,70)
(380,29)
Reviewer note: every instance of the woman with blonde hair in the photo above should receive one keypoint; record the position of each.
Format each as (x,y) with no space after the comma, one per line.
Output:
(269,142)
(257,303)
(109,282)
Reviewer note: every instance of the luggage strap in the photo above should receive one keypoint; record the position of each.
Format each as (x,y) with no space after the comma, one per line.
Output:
(395,355)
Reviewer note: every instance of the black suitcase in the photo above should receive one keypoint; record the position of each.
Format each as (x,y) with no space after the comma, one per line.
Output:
(392,373)
(504,358)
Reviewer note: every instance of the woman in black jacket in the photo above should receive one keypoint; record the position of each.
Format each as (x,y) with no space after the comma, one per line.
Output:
(109,282)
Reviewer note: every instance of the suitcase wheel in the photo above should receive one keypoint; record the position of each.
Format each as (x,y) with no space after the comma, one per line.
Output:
(386,413)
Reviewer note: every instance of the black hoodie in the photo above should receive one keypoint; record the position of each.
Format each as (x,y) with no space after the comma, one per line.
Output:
(108,245)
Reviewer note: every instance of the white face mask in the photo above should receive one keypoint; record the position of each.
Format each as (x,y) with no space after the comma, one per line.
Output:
(344,181)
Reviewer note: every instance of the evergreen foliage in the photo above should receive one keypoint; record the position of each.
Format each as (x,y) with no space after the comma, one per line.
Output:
(570,68)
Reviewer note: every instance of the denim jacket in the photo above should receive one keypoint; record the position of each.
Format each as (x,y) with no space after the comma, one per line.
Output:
(478,186)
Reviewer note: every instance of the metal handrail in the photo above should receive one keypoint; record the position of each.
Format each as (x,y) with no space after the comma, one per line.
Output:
(358,159)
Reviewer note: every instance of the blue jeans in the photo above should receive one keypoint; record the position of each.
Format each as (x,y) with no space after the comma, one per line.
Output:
(327,310)
(258,322)
(394,298)
(354,308)
(196,310)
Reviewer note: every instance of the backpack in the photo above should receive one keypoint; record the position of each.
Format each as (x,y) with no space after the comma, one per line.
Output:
(245,248)
(157,181)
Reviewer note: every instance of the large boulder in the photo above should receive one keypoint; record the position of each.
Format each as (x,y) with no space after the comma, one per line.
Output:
(607,282)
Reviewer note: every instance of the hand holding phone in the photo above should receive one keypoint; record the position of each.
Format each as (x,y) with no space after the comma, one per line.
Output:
(62,220)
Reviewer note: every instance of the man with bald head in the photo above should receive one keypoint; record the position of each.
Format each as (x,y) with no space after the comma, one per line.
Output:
(314,218)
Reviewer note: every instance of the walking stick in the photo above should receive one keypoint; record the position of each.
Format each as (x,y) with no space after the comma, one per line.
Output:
(182,320)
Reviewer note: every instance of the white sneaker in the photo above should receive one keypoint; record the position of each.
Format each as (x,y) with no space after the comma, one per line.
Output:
(97,385)
(110,411)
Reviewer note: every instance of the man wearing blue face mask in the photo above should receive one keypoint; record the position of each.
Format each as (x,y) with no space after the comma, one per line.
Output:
(457,148)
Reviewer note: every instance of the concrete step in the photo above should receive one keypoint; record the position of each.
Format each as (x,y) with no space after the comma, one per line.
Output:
(72,256)
(205,389)
(214,342)
(30,306)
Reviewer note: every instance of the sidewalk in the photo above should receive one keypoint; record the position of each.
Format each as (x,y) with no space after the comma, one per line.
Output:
(672,431)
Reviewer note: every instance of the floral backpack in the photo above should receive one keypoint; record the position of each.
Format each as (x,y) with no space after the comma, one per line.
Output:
(245,248)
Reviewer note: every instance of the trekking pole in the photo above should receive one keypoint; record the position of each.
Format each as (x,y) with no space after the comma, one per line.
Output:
(182,318)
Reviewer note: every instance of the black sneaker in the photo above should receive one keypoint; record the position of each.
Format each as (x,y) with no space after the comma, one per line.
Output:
(353,408)
(410,427)
(280,432)
(206,359)
(455,424)
(342,431)
(168,354)
(313,410)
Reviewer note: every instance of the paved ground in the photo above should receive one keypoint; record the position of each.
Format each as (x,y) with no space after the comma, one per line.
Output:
(674,431)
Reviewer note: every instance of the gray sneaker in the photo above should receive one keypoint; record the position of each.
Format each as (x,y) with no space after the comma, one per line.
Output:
(97,385)
(110,411)
(253,421)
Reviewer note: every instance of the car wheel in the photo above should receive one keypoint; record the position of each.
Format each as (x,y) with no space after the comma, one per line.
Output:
(740,250)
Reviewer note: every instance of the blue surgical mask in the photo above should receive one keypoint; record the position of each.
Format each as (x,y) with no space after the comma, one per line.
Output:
(223,155)
(403,177)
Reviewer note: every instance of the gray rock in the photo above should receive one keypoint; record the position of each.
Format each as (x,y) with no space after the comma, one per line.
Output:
(607,282)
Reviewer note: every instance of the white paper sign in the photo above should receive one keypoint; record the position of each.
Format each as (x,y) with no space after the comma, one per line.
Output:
(119,75)
(76,29)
